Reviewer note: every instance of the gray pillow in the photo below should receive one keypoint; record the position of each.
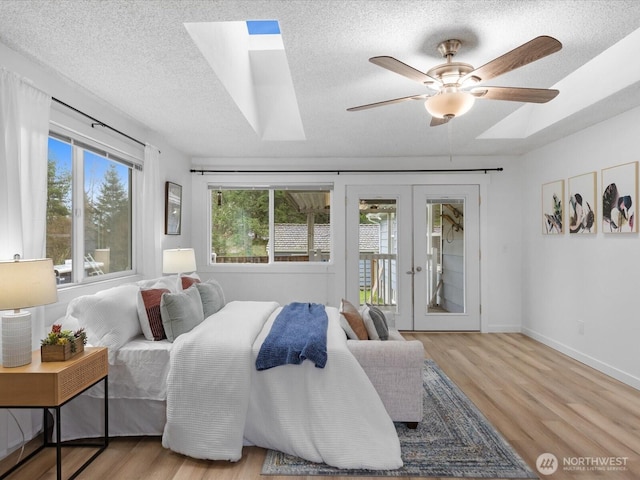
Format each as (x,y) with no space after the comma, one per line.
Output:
(212,296)
(379,321)
(181,312)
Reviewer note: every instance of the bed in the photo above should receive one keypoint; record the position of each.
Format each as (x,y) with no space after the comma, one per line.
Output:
(206,398)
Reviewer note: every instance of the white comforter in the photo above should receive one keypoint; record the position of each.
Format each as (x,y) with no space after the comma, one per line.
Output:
(217,400)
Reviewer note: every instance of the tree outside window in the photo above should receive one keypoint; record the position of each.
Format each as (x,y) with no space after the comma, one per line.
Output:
(105,218)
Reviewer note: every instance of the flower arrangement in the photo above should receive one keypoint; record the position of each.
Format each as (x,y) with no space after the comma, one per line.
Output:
(57,336)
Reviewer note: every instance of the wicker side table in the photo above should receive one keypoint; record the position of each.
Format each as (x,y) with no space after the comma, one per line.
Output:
(50,385)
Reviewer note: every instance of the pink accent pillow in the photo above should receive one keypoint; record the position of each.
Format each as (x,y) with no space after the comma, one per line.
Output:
(188,281)
(151,301)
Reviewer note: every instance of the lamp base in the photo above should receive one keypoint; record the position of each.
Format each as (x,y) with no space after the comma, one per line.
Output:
(16,339)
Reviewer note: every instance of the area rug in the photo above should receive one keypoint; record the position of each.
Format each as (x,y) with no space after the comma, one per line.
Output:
(453,440)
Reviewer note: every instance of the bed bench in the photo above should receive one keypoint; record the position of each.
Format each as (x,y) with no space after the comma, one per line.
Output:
(395,369)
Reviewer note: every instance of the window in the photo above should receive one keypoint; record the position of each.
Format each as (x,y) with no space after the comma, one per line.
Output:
(270,225)
(89,211)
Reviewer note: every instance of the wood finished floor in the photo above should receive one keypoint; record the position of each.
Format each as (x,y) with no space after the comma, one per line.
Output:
(540,400)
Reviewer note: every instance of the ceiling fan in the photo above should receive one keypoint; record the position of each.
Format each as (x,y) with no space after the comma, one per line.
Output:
(454,86)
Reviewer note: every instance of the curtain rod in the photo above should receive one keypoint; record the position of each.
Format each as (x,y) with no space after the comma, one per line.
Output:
(339,171)
(98,122)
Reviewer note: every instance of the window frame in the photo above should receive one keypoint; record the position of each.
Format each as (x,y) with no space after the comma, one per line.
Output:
(79,143)
(271,265)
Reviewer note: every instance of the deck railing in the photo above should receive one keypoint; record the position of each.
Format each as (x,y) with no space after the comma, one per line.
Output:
(378,279)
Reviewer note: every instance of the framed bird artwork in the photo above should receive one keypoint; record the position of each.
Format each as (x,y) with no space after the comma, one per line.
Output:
(553,208)
(582,204)
(619,198)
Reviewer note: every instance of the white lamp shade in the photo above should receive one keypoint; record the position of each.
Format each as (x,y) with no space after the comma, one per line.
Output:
(27,283)
(178,260)
(451,104)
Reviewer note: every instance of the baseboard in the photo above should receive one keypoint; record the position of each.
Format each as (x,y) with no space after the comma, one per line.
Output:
(603,367)
(504,329)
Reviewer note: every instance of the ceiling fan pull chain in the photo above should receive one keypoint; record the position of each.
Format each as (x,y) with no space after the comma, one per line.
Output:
(450,135)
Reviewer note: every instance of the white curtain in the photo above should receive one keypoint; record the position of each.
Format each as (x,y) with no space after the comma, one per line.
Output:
(24,130)
(152,218)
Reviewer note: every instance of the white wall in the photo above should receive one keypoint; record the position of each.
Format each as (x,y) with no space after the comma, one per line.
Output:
(174,167)
(500,235)
(174,164)
(582,278)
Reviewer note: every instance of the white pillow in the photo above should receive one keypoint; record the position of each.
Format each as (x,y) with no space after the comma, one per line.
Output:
(109,317)
(368,323)
(173,283)
(68,323)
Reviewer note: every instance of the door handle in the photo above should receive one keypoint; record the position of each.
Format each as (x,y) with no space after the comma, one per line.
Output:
(410,272)
(418,269)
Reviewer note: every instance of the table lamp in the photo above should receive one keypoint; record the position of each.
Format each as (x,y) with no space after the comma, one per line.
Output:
(23,284)
(178,260)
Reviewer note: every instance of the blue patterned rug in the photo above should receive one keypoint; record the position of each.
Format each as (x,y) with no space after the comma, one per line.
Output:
(453,440)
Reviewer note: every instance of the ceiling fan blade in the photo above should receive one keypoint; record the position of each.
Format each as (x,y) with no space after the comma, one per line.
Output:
(435,121)
(387,102)
(514,94)
(526,53)
(403,69)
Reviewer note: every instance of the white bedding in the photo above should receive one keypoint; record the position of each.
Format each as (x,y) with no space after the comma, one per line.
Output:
(332,415)
(208,385)
(139,371)
(216,397)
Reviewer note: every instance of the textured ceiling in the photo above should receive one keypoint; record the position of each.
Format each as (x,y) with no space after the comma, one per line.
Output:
(137,56)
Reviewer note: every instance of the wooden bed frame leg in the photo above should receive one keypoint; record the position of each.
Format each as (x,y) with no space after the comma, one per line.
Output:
(412,425)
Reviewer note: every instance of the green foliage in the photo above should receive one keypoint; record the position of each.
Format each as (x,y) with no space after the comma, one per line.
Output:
(58,213)
(240,224)
(240,220)
(110,215)
(57,336)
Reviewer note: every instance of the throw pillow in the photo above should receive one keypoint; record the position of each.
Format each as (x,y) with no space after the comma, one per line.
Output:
(368,323)
(379,321)
(180,312)
(149,313)
(110,317)
(189,279)
(351,335)
(212,296)
(170,282)
(355,320)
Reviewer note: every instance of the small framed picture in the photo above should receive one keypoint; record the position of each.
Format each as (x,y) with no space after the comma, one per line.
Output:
(173,209)
(553,208)
(582,204)
(619,197)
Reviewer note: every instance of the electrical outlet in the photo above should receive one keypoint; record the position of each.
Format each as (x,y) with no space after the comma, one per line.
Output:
(581,327)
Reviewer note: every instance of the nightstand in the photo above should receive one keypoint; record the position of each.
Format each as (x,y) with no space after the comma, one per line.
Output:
(50,385)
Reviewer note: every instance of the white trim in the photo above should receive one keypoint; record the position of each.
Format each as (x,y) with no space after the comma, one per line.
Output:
(503,329)
(603,367)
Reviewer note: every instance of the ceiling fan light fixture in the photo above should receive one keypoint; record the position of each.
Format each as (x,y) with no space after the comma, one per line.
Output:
(449,104)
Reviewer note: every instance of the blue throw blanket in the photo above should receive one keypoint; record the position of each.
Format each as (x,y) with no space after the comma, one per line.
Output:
(299,332)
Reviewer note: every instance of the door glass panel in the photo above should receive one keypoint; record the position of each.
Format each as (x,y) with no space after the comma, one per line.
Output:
(445,256)
(378,251)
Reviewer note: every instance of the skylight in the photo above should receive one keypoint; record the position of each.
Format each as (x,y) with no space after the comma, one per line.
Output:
(250,60)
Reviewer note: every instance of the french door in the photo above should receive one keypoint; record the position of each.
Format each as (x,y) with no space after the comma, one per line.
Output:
(413,251)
